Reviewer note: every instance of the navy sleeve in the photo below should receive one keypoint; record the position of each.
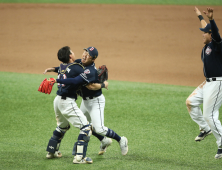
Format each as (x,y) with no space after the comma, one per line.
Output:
(90,75)
(75,81)
(215,32)
(56,69)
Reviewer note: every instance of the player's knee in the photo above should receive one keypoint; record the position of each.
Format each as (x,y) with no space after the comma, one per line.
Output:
(59,132)
(191,102)
(62,130)
(55,140)
(85,131)
(100,130)
(188,102)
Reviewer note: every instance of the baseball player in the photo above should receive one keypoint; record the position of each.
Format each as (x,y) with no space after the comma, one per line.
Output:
(209,93)
(93,101)
(67,111)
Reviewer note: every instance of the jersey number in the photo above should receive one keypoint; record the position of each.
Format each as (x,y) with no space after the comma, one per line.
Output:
(62,76)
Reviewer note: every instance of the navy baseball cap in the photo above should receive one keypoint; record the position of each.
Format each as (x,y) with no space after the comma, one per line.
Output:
(93,52)
(207,28)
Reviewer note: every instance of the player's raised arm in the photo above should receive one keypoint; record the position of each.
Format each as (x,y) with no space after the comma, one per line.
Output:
(202,21)
(214,29)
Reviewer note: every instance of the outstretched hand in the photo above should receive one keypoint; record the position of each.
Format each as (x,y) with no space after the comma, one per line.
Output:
(49,70)
(197,11)
(209,13)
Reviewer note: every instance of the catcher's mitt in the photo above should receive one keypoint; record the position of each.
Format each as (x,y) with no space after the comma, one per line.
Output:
(46,85)
(102,73)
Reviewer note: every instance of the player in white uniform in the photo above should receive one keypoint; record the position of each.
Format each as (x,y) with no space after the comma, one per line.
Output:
(67,111)
(93,105)
(93,101)
(209,93)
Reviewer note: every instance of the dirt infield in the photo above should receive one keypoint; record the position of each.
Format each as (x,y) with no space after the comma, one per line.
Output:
(145,43)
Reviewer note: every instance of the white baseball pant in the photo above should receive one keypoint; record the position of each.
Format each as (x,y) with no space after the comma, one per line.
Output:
(93,109)
(210,95)
(67,111)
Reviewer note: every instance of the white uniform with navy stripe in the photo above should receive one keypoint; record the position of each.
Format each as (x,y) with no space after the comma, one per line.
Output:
(209,93)
(93,101)
(66,109)
(94,111)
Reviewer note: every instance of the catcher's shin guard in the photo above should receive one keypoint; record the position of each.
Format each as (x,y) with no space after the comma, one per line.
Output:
(79,150)
(80,147)
(55,140)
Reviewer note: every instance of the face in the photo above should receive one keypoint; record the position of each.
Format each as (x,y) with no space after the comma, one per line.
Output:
(207,37)
(86,59)
(72,56)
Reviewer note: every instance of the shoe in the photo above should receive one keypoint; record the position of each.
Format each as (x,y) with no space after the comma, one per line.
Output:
(202,135)
(219,154)
(57,154)
(123,143)
(85,160)
(104,145)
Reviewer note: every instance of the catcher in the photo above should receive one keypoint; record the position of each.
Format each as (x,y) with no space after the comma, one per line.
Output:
(66,109)
(93,101)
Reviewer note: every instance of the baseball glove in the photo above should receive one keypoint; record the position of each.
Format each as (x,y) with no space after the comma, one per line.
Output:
(46,86)
(102,73)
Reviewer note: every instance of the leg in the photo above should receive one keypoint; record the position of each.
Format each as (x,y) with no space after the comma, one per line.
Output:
(86,113)
(68,111)
(96,109)
(211,106)
(80,147)
(193,103)
(72,113)
(58,134)
(55,141)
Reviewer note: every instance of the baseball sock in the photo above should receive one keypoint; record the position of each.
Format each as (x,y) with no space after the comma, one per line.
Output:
(111,134)
(100,137)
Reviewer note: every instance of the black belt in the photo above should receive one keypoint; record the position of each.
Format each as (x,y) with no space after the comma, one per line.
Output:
(214,79)
(90,97)
(64,97)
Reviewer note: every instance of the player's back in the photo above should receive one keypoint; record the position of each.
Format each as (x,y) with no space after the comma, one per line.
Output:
(65,71)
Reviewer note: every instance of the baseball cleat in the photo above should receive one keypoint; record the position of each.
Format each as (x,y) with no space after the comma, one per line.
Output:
(57,154)
(219,154)
(104,145)
(85,160)
(123,143)
(202,135)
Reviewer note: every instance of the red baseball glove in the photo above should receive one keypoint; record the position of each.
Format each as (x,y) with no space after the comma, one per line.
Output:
(46,85)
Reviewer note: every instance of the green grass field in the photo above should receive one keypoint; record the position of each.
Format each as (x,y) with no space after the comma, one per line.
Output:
(153,117)
(162,2)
